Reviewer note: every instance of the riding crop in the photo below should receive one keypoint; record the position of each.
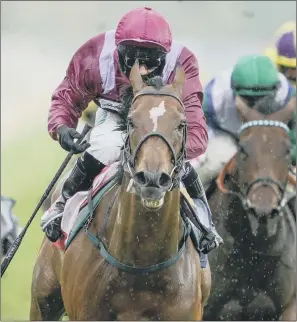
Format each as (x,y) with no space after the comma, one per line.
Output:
(16,244)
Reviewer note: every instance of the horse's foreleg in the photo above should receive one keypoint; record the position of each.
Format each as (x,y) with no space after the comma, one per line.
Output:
(46,299)
(289,313)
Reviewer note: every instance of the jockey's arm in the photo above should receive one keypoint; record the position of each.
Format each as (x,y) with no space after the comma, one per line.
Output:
(79,87)
(192,98)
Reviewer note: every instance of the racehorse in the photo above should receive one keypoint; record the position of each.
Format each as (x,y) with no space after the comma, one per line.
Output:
(254,275)
(146,267)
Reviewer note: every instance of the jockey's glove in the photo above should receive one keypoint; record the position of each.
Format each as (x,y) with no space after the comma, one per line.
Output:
(66,137)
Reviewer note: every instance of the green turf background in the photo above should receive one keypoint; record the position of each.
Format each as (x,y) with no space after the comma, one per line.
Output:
(27,167)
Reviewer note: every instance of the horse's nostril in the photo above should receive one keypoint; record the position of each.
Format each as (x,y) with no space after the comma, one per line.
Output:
(164,180)
(140,178)
(152,179)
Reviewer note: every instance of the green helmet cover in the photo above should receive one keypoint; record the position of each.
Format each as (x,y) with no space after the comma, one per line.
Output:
(254,75)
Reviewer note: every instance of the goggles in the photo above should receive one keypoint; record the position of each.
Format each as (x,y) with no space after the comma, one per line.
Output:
(150,57)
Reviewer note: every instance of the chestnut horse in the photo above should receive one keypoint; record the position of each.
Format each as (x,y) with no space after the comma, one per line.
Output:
(134,260)
(254,275)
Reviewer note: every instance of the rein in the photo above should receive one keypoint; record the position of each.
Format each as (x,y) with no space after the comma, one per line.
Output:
(229,169)
(128,162)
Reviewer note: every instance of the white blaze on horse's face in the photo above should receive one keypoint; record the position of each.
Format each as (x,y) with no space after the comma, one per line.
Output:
(155,113)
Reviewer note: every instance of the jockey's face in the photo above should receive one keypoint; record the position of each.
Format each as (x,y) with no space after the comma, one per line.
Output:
(264,104)
(250,100)
(151,60)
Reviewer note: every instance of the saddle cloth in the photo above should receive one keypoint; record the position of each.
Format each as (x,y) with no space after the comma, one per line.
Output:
(72,212)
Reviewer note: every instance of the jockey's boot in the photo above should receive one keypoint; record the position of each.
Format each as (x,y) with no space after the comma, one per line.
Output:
(195,190)
(80,179)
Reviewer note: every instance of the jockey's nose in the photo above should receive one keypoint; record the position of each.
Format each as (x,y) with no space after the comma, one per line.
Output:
(153,179)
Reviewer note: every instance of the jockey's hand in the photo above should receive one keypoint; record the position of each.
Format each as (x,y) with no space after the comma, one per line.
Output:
(66,137)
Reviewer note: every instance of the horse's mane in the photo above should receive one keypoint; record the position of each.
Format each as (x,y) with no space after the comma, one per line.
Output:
(126,101)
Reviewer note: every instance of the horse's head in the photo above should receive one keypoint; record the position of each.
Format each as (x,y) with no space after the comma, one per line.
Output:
(155,149)
(263,162)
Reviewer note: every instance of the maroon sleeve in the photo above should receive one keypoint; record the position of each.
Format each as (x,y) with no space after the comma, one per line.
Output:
(192,99)
(80,86)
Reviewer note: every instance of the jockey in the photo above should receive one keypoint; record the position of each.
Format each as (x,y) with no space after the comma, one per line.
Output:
(284,53)
(253,79)
(99,71)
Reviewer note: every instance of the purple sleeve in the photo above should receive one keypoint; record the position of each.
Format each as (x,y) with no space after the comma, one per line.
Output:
(80,86)
(192,99)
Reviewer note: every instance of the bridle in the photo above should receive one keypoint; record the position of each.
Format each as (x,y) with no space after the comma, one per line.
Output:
(262,181)
(128,159)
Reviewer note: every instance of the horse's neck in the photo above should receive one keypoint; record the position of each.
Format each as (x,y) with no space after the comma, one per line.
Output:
(140,237)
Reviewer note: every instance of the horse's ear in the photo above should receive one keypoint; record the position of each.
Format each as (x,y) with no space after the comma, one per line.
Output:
(285,114)
(136,79)
(179,80)
(247,113)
